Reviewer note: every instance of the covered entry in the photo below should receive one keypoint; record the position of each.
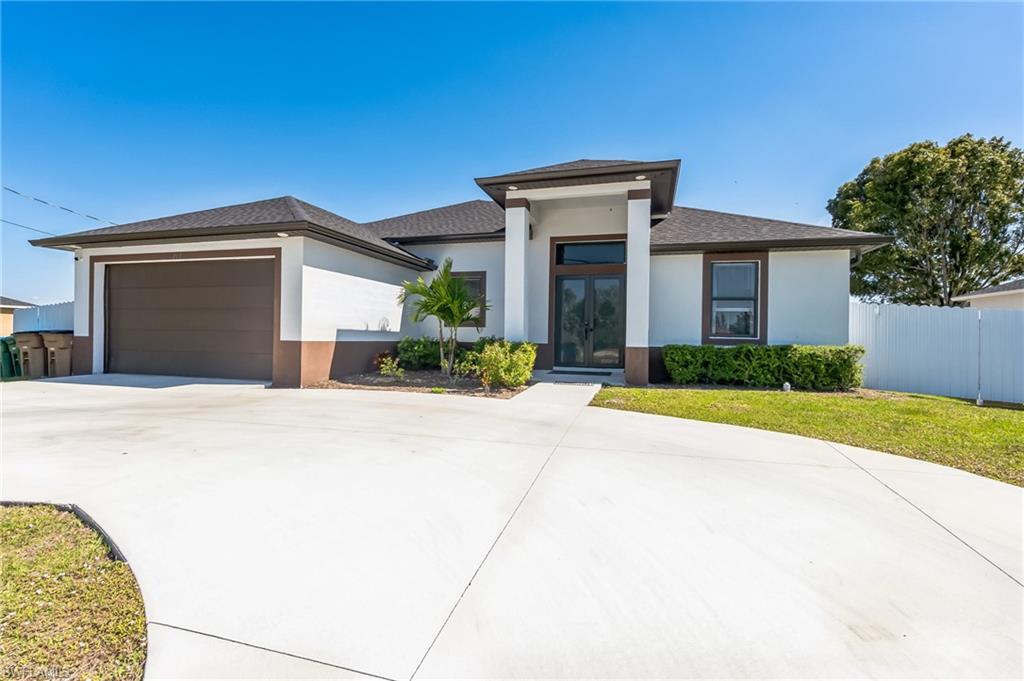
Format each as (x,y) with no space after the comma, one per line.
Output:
(205,318)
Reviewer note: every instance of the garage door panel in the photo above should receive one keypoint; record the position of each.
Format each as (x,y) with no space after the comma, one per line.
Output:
(182,274)
(192,297)
(191,318)
(223,319)
(209,364)
(176,340)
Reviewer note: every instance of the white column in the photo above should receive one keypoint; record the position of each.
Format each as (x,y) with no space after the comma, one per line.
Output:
(638,284)
(517,233)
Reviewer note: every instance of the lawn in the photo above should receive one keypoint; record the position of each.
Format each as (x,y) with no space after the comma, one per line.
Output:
(988,441)
(66,609)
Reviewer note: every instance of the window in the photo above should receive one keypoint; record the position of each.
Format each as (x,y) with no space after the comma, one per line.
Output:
(592,253)
(476,282)
(734,299)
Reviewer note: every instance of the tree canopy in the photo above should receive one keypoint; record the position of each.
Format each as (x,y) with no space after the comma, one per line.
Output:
(955,212)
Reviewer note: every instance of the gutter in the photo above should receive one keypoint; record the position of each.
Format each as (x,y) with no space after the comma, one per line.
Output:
(309,229)
(865,245)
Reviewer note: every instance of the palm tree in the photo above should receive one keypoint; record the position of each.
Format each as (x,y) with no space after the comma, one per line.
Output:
(448,299)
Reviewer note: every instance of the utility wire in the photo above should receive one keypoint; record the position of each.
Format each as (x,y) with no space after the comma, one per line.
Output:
(34,229)
(55,205)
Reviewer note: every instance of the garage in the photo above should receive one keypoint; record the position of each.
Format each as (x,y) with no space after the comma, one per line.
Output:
(205,318)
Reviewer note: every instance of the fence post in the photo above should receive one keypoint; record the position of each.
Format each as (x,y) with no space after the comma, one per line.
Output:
(980,402)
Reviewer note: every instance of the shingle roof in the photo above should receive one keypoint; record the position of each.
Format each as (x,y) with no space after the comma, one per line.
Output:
(1016,285)
(280,210)
(684,227)
(579,164)
(13,302)
(696,228)
(472,217)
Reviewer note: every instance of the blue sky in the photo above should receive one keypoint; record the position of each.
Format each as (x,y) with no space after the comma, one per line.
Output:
(129,111)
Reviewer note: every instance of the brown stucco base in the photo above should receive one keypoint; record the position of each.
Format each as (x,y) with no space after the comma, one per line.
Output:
(81,355)
(356,357)
(656,372)
(545,356)
(298,364)
(637,366)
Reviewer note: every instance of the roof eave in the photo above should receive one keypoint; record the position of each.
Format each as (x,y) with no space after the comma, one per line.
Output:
(978,294)
(309,229)
(672,164)
(861,245)
(498,235)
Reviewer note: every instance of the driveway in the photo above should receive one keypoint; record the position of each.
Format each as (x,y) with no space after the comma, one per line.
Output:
(348,534)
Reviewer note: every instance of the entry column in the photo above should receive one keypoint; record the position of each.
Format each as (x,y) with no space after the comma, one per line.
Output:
(638,285)
(517,233)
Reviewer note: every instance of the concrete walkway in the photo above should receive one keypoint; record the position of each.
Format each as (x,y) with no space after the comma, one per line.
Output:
(356,534)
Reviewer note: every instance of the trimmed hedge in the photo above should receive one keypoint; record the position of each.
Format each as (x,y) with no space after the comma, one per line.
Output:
(805,367)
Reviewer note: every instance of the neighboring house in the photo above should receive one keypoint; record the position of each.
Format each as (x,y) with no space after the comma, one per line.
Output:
(591,260)
(7,308)
(1008,296)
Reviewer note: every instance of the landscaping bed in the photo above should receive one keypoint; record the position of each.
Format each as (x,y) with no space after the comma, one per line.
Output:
(988,441)
(67,609)
(421,382)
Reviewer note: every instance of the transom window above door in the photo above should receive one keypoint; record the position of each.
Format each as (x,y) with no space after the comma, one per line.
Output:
(591,253)
(734,299)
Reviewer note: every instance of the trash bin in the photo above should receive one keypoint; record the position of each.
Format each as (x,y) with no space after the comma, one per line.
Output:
(9,365)
(30,345)
(58,352)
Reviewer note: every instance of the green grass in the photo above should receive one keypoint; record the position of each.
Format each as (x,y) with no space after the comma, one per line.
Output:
(66,609)
(988,441)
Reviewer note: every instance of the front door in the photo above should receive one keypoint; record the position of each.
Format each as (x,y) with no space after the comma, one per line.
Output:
(590,320)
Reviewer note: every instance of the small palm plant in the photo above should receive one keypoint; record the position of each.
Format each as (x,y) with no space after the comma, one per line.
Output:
(448,299)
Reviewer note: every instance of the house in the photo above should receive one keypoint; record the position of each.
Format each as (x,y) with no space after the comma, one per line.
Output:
(591,260)
(7,308)
(1008,296)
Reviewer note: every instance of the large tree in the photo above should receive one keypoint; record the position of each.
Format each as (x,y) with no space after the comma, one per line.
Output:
(955,212)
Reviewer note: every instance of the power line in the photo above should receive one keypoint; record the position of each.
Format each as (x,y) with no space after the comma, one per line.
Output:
(34,229)
(55,205)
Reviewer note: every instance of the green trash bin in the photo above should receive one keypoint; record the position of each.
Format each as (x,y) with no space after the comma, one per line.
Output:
(10,360)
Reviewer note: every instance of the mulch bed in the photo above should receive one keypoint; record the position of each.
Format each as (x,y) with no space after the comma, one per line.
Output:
(419,382)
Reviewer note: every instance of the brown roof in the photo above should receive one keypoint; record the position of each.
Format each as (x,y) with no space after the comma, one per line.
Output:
(13,302)
(684,229)
(471,218)
(1017,285)
(579,164)
(244,218)
(662,176)
(694,229)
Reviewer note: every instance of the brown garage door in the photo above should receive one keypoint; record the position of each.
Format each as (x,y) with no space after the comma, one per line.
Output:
(210,318)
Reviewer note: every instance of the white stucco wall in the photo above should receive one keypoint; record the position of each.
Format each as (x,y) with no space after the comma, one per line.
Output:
(808,297)
(562,217)
(349,296)
(676,282)
(291,282)
(1003,301)
(483,256)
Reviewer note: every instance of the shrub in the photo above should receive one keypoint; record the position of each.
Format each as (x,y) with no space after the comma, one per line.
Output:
(805,367)
(468,364)
(419,353)
(388,366)
(506,364)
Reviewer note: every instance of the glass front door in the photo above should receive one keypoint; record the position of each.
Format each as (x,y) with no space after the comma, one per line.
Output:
(590,320)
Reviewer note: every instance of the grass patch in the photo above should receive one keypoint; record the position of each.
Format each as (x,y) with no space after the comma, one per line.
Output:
(988,441)
(66,609)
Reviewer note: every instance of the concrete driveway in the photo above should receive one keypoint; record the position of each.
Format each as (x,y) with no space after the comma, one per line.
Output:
(280,533)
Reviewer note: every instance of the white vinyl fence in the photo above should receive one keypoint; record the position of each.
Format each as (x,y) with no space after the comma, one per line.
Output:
(959,352)
(56,317)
